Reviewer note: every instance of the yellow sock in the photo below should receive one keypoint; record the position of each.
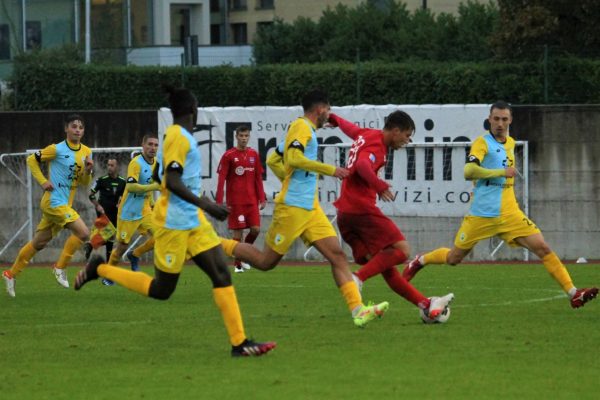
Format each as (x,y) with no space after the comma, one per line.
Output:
(351,295)
(144,248)
(229,246)
(25,254)
(138,282)
(230,310)
(72,244)
(437,256)
(114,258)
(558,271)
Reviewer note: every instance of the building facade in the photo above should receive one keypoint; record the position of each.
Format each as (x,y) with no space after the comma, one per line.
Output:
(152,32)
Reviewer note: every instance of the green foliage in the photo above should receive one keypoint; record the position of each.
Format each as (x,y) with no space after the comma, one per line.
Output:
(374,32)
(42,84)
(569,26)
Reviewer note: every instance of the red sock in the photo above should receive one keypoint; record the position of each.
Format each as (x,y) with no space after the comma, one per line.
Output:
(236,262)
(403,287)
(250,237)
(386,258)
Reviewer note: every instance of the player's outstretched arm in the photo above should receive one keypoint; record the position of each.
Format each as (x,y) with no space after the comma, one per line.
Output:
(139,188)
(176,185)
(345,126)
(473,171)
(296,159)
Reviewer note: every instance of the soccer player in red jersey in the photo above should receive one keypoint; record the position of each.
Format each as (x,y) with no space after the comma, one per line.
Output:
(240,167)
(377,243)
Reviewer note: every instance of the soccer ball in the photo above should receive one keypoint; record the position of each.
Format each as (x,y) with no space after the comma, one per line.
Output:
(442,318)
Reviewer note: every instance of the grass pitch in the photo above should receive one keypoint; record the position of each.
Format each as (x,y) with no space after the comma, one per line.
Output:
(512,334)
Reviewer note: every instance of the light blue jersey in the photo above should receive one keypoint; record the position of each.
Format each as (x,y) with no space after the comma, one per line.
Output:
(179,150)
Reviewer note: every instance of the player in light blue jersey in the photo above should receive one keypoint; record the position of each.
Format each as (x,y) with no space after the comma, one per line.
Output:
(70,165)
(495,212)
(135,208)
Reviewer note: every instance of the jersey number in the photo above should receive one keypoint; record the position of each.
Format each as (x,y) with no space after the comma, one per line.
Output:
(354,151)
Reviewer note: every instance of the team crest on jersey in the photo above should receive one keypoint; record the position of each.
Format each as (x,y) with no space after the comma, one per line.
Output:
(251,159)
(236,159)
(279,238)
(239,170)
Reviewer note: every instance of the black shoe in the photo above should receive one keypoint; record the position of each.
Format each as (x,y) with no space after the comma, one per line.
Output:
(89,272)
(252,348)
(87,248)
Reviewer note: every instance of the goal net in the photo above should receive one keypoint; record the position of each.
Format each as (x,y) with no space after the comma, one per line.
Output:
(431,195)
(21,216)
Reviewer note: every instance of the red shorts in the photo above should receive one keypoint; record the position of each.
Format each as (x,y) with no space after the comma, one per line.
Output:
(367,234)
(243,216)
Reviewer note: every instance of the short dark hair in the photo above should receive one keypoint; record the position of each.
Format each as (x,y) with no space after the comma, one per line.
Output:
(181,101)
(242,128)
(501,105)
(399,119)
(313,98)
(148,136)
(74,117)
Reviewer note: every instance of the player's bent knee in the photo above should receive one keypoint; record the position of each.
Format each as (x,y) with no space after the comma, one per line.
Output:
(160,292)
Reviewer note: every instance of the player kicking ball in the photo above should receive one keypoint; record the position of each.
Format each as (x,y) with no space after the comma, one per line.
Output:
(377,243)
(495,212)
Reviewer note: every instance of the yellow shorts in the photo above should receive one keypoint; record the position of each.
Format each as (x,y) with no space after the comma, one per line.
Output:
(55,218)
(507,227)
(173,247)
(126,229)
(290,223)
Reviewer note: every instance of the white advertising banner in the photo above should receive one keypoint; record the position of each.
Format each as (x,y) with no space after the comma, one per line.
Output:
(426,181)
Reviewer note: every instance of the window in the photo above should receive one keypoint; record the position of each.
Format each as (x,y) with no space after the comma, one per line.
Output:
(238,4)
(215,6)
(4,42)
(240,33)
(265,4)
(215,34)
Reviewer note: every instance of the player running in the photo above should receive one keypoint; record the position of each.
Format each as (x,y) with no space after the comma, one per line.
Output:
(182,230)
(69,165)
(298,214)
(240,169)
(494,209)
(135,210)
(377,243)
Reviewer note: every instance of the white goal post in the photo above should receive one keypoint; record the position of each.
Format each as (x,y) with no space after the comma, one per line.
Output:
(21,217)
(431,193)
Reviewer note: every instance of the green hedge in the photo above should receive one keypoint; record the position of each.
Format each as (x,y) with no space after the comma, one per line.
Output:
(43,86)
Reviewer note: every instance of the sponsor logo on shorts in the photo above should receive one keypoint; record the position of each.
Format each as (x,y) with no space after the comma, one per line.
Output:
(462,237)
(241,218)
(123,235)
(169,259)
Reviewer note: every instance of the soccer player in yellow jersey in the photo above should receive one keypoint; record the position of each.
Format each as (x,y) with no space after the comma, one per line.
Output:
(298,214)
(182,231)
(69,165)
(495,211)
(135,212)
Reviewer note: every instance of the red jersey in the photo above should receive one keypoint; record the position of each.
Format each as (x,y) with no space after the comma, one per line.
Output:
(243,172)
(366,157)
